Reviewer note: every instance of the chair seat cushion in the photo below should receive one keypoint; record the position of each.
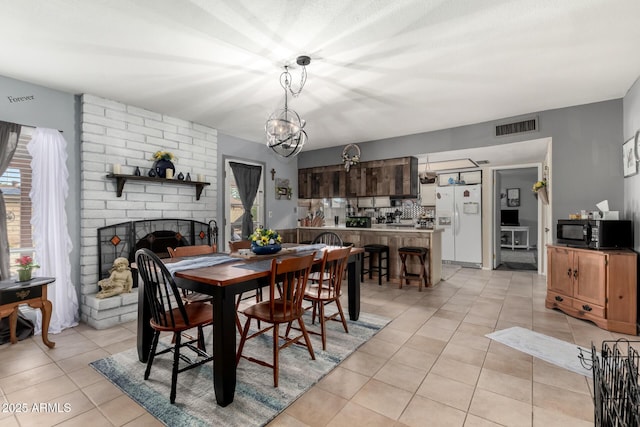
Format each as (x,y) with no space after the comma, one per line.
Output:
(376,248)
(414,249)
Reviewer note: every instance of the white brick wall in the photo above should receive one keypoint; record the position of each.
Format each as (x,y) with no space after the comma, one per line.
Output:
(113,132)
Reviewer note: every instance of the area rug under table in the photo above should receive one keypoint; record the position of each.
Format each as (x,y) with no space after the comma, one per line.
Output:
(256,401)
(549,349)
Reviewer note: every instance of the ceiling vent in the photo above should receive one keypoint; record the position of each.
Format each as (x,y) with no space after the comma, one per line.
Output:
(482,162)
(524,126)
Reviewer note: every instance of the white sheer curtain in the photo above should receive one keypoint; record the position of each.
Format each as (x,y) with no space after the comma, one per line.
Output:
(50,188)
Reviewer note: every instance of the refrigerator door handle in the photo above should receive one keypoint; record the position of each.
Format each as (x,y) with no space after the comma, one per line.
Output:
(456,220)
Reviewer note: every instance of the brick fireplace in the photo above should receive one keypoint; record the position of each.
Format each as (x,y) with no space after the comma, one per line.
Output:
(114,132)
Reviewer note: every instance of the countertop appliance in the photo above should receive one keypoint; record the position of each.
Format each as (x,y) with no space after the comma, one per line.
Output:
(595,233)
(459,214)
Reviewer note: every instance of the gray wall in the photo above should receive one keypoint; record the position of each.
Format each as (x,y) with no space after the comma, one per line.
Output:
(586,151)
(57,110)
(632,184)
(283,211)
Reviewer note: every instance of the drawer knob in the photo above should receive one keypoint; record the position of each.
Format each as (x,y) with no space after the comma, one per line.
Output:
(585,307)
(559,298)
(569,272)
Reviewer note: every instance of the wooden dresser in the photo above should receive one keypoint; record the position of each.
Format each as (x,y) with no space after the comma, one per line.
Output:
(599,286)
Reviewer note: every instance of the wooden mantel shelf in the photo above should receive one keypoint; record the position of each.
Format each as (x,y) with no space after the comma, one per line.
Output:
(122,179)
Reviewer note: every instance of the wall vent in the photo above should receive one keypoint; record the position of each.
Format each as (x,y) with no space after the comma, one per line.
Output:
(523,126)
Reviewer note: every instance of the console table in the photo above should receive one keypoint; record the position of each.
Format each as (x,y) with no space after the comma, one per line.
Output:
(513,230)
(32,292)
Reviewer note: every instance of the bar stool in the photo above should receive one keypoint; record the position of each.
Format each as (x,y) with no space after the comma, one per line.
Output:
(383,255)
(422,275)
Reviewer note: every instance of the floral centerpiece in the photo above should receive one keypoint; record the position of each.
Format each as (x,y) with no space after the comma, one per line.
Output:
(26,264)
(163,161)
(163,155)
(265,241)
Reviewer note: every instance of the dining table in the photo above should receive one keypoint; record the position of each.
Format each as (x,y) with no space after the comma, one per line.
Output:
(224,282)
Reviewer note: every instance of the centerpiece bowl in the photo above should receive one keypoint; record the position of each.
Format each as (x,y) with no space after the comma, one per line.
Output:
(265,250)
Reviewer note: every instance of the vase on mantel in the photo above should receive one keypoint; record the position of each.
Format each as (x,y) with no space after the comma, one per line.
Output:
(161,166)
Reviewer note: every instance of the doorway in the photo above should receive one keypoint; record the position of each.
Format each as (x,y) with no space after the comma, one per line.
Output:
(233,208)
(516,219)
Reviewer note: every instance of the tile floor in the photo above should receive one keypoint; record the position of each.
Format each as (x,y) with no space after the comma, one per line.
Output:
(431,366)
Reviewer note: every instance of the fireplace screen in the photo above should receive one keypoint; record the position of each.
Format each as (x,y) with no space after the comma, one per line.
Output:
(124,239)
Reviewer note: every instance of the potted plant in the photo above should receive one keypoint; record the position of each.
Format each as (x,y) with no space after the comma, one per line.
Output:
(163,161)
(540,189)
(26,264)
(265,241)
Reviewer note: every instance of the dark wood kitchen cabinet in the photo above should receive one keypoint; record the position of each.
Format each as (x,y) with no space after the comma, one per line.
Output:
(321,182)
(390,177)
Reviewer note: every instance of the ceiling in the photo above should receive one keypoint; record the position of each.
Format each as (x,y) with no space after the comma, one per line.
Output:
(378,68)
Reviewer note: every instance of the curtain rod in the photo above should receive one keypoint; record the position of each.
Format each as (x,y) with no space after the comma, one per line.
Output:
(31,126)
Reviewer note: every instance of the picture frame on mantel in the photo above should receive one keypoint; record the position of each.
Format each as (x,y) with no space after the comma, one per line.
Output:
(629,160)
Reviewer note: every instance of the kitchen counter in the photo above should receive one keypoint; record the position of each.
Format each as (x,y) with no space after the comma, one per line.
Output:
(376,227)
(393,235)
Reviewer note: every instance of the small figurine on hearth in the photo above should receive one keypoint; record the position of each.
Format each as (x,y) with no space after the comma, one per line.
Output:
(120,280)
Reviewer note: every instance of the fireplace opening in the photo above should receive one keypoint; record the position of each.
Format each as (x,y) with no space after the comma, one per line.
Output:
(124,239)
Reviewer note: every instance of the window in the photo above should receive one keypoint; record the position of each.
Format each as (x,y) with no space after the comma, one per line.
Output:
(15,184)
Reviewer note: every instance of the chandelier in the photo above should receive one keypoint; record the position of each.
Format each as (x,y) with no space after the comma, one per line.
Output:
(284,127)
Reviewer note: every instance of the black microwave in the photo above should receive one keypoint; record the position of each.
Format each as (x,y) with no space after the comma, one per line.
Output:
(595,234)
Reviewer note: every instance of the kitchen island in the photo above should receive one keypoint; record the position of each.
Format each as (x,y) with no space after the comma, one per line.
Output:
(394,236)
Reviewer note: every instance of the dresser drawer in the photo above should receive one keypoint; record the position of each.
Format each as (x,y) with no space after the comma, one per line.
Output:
(9,296)
(559,300)
(589,308)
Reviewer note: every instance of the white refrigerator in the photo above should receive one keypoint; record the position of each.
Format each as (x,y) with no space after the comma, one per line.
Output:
(459,214)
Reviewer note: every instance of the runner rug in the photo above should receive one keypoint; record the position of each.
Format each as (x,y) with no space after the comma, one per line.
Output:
(256,401)
(549,349)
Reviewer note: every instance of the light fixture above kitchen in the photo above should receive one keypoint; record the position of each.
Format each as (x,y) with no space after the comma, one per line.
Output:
(451,164)
(284,128)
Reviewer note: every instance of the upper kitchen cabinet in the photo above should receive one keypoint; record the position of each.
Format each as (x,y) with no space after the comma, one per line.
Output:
(391,177)
(321,182)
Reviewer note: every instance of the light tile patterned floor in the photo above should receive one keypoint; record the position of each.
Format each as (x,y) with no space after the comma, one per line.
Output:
(432,365)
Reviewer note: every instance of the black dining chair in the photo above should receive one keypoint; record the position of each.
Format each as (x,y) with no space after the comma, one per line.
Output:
(329,238)
(170,314)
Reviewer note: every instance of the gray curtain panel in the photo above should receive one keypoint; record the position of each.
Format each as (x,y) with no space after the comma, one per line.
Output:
(248,180)
(9,135)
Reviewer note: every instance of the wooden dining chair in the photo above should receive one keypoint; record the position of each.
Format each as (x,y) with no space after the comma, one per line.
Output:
(293,274)
(189,297)
(169,314)
(234,246)
(326,289)
(192,250)
(329,238)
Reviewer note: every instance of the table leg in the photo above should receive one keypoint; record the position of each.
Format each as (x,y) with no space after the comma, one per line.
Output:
(46,310)
(224,345)
(353,277)
(13,325)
